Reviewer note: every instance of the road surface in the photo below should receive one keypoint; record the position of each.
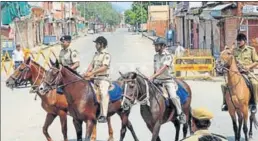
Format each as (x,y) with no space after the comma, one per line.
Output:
(22,117)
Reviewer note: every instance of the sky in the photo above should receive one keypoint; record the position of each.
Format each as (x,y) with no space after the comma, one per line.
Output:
(124,5)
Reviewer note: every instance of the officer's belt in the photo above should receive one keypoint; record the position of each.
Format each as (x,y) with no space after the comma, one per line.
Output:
(101,75)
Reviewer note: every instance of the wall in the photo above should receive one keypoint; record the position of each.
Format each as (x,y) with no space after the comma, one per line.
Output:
(158,12)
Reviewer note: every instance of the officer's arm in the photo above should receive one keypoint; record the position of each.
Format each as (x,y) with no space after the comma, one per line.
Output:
(75,60)
(254,59)
(106,64)
(166,65)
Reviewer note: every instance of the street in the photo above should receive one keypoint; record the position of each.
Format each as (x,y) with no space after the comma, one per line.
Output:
(22,117)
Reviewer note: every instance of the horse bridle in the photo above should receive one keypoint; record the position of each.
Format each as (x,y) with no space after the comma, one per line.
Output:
(143,100)
(235,72)
(54,84)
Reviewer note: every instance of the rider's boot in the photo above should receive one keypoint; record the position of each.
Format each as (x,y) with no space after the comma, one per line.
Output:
(180,115)
(224,105)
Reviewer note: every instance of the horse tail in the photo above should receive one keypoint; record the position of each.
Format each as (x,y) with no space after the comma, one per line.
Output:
(255,121)
(190,120)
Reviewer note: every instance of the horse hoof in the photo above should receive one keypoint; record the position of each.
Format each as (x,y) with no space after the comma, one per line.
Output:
(110,139)
(93,139)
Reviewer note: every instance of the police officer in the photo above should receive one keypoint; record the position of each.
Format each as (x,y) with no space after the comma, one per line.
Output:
(68,57)
(162,73)
(247,57)
(99,69)
(200,124)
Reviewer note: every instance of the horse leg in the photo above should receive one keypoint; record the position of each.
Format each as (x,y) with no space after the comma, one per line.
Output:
(110,130)
(126,123)
(63,120)
(48,121)
(156,130)
(94,133)
(78,127)
(90,125)
(130,127)
(245,116)
(251,126)
(177,126)
(240,122)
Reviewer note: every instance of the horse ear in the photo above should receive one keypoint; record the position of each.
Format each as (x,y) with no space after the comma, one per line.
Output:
(123,76)
(51,62)
(28,61)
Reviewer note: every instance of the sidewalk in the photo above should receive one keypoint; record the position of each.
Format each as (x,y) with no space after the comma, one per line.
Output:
(149,36)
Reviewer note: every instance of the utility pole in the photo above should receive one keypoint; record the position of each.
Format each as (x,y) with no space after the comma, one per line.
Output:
(212,41)
(141,19)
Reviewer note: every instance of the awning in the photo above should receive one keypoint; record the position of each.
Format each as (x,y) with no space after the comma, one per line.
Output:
(206,13)
(217,10)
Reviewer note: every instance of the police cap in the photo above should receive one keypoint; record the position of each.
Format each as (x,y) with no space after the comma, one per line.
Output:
(159,41)
(66,38)
(101,40)
(202,114)
(241,36)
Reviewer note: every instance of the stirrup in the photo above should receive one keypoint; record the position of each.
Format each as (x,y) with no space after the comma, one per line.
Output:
(182,118)
(224,107)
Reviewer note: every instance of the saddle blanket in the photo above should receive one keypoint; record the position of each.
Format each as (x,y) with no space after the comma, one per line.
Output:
(182,94)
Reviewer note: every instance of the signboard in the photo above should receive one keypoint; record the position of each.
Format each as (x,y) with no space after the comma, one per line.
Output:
(243,27)
(194,67)
(250,10)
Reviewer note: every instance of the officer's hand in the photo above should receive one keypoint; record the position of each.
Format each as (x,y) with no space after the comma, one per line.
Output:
(88,74)
(247,68)
(151,79)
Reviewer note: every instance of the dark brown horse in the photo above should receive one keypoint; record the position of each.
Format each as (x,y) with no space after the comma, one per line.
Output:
(82,101)
(153,108)
(237,95)
(54,104)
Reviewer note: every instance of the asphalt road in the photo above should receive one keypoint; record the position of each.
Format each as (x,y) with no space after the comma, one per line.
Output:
(22,118)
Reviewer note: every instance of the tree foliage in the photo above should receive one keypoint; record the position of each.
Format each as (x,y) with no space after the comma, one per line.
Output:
(102,11)
(139,12)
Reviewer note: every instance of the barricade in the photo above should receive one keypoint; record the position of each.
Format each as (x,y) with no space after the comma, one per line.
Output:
(7,65)
(199,67)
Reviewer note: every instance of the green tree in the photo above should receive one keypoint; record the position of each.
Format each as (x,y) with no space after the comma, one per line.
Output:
(101,10)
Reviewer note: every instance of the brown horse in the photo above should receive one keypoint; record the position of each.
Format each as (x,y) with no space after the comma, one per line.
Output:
(237,96)
(82,102)
(153,108)
(54,104)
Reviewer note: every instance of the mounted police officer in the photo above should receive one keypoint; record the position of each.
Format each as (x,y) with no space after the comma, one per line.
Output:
(162,73)
(99,69)
(200,124)
(67,56)
(247,57)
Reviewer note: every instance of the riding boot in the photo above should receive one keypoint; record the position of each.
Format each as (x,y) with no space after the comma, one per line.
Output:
(253,104)
(224,105)
(181,116)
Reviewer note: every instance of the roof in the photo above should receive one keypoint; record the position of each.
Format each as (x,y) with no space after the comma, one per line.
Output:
(221,7)
(206,13)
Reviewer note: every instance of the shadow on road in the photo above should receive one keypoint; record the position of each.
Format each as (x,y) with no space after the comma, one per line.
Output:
(83,140)
(232,138)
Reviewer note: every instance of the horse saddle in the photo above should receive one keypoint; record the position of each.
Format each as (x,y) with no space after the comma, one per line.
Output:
(115,92)
(250,87)
(181,92)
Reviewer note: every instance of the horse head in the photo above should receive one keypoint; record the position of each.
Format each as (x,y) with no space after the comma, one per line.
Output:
(225,61)
(52,78)
(133,89)
(22,74)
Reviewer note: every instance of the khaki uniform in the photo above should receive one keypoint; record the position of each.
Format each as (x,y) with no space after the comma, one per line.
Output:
(202,114)
(68,57)
(100,59)
(246,56)
(166,78)
(201,133)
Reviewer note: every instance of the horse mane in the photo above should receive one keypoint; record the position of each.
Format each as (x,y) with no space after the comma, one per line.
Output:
(73,71)
(37,64)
